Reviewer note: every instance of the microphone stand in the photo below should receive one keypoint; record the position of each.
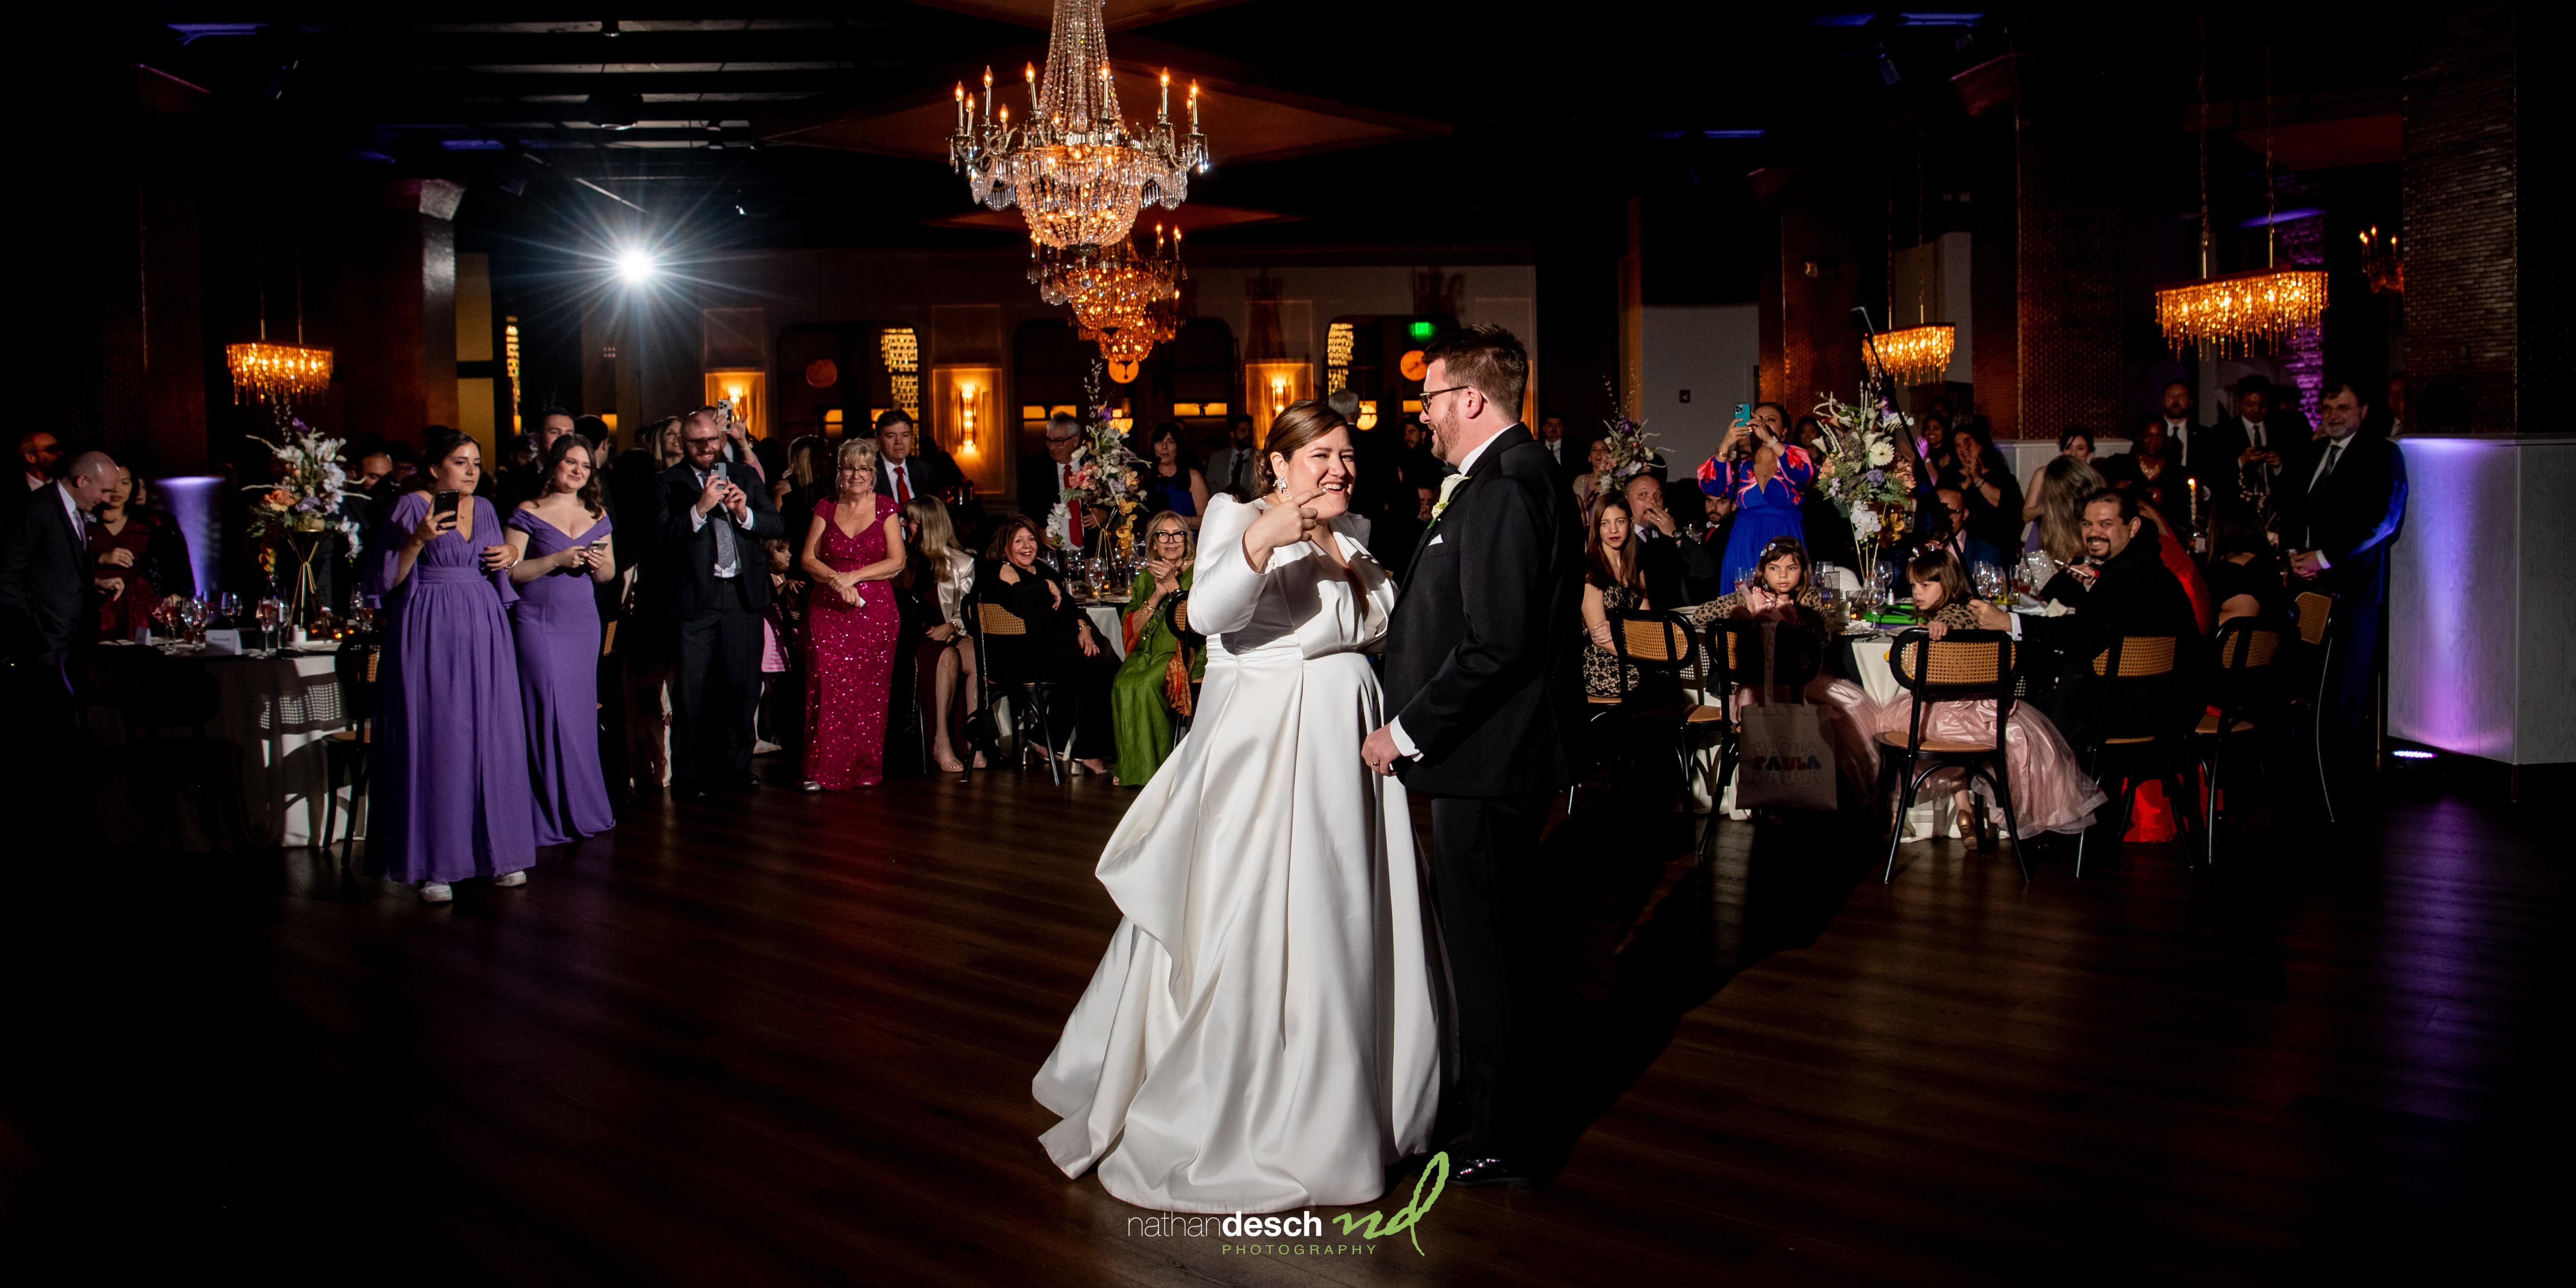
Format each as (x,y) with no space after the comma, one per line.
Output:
(1884,387)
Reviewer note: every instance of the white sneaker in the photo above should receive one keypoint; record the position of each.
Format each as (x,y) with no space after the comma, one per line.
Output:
(765,747)
(508,879)
(436,892)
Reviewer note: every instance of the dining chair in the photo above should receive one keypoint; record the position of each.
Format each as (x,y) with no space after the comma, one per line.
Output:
(2313,612)
(2245,660)
(2139,726)
(1666,655)
(1007,661)
(1961,666)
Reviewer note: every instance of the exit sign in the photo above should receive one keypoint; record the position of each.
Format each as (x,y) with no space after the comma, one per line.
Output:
(1421,330)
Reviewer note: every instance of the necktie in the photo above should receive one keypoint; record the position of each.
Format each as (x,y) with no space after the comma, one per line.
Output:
(2326,470)
(902,483)
(727,558)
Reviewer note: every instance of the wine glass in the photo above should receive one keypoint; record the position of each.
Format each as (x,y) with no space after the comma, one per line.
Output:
(192,620)
(227,607)
(272,614)
(1990,582)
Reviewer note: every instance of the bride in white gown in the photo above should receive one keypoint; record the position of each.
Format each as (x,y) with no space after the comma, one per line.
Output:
(1260,1035)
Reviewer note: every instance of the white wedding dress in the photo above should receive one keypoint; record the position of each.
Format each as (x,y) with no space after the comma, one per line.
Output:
(1260,1035)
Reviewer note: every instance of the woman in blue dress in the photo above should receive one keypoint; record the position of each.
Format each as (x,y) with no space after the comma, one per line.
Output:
(1763,479)
(1171,482)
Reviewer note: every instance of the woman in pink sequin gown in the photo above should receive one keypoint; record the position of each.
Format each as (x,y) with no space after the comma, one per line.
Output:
(852,548)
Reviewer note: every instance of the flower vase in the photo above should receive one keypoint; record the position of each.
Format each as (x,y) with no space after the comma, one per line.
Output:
(303,587)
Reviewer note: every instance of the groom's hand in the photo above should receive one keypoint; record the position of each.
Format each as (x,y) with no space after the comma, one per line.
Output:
(1380,751)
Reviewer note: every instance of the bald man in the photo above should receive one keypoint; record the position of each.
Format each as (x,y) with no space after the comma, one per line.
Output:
(45,572)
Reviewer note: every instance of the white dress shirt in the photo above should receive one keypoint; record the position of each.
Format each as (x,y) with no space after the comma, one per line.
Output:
(726,569)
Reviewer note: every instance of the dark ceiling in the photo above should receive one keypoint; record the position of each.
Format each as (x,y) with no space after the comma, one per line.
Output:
(1427,124)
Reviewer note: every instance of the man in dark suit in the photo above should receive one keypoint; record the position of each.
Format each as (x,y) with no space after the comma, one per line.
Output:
(2182,436)
(714,583)
(1042,478)
(2343,500)
(903,471)
(1480,675)
(2253,438)
(1971,549)
(48,583)
(2123,589)
(1675,566)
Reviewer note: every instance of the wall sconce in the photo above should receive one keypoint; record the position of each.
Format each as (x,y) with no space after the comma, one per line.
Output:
(1368,414)
(966,421)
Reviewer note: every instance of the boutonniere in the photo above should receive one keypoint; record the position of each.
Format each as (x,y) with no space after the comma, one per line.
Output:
(1448,488)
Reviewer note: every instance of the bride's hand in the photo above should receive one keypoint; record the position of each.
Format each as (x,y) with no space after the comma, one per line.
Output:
(1285,524)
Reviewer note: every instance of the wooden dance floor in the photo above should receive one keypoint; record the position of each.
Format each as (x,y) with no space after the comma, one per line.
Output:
(772,1038)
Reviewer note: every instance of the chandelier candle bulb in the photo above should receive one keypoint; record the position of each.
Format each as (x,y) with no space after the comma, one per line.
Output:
(1164,112)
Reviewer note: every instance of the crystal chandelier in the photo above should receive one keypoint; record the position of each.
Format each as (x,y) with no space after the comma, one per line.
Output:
(2231,312)
(1076,173)
(277,373)
(1112,285)
(1916,355)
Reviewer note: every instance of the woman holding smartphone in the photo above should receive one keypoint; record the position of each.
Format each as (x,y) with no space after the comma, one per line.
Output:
(451,743)
(562,542)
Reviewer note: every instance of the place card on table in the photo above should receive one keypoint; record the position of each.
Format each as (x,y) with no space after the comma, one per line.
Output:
(227,642)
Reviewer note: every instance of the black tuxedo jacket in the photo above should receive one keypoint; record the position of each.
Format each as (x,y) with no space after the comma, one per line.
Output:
(1674,568)
(2350,516)
(2191,452)
(1480,659)
(684,575)
(2218,446)
(44,577)
(1038,490)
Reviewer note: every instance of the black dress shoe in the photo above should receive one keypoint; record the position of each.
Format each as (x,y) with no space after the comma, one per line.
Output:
(1491,1171)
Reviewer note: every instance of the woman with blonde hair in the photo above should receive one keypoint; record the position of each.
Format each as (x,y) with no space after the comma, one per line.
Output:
(852,547)
(1259,1036)
(2063,485)
(942,576)
(1154,681)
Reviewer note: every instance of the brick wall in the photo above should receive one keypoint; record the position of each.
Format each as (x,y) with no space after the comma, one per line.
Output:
(2462,186)
(2068,230)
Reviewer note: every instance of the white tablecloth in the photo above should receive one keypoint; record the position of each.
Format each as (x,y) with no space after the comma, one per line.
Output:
(273,712)
(1104,622)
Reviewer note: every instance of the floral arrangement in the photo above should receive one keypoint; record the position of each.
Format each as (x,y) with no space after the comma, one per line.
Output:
(1105,479)
(1863,468)
(1625,445)
(305,497)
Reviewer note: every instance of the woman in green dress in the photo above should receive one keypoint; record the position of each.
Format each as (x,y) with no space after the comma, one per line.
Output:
(1140,700)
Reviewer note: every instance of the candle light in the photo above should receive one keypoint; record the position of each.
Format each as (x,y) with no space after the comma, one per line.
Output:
(1194,105)
(988,96)
(1029,73)
(961,107)
(1164,112)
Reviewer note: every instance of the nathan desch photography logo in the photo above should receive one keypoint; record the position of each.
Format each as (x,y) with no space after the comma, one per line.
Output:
(1284,1235)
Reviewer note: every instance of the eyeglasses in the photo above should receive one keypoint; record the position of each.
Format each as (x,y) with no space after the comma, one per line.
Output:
(1429,394)
(1171,536)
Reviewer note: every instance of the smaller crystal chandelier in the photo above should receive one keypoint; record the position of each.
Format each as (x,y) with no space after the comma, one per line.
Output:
(1916,355)
(1076,173)
(1123,295)
(2231,312)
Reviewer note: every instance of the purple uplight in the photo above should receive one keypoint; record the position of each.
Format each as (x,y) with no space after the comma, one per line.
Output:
(191,500)
(2410,753)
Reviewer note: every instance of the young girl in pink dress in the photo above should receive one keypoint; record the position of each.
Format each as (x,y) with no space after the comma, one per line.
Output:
(2050,790)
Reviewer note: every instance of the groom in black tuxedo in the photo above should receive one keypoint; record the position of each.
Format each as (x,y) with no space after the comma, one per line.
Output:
(1480,673)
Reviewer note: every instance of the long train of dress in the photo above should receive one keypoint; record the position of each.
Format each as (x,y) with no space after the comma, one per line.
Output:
(1260,1035)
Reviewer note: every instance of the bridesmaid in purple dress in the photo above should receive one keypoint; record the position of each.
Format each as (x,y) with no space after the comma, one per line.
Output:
(852,548)
(562,541)
(451,776)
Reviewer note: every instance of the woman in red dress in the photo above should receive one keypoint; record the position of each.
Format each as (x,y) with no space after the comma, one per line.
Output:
(852,549)
(141,550)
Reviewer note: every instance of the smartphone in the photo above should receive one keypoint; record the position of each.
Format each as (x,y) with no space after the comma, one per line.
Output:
(447,502)
(1743,413)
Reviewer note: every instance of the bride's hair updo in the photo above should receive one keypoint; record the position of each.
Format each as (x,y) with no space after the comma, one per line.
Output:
(1302,423)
